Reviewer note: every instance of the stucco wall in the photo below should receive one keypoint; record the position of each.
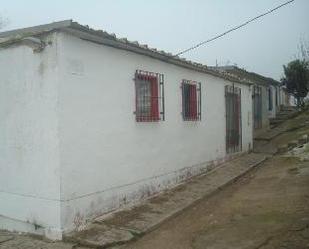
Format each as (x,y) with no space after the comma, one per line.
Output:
(272,113)
(29,159)
(70,146)
(107,159)
(284,98)
(265,119)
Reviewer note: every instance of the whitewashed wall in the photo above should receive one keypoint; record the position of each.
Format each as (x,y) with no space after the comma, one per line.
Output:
(264,110)
(265,120)
(272,113)
(29,152)
(108,159)
(286,99)
(70,147)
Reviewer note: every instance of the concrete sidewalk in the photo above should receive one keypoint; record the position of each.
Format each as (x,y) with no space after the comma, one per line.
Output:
(130,224)
(298,121)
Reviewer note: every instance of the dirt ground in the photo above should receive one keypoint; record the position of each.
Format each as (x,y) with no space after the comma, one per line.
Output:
(268,208)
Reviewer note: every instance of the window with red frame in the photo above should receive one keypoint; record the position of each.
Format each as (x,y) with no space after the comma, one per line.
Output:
(191,100)
(149,92)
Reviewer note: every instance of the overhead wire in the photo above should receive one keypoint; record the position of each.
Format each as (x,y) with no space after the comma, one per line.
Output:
(234,28)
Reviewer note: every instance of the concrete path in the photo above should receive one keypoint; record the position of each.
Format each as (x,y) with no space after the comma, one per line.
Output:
(301,120)
(10,240)
(128,225)
(131,224)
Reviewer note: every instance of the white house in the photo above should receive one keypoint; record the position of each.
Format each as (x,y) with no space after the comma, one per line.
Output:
(90,123)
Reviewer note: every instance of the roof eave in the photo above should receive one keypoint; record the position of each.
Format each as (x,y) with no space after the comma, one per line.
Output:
(93,36)
(104,38)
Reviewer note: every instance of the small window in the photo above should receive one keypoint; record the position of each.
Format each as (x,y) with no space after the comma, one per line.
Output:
(149,90)
(191,100)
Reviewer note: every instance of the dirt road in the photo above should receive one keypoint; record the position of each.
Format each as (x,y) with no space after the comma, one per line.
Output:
(269,208)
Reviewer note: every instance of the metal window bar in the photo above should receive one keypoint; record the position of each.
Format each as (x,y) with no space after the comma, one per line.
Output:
(191,100)
(149,96)
(162,102)
(233,119)
(240,119)
(257,107)
(270,99)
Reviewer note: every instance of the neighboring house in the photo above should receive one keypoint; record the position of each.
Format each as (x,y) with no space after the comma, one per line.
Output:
(287,99)
(273,104)
(91,123)
(268,96)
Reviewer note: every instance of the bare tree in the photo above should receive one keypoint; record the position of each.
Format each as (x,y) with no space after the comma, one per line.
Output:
(3,22)
(303,49)
(296,79)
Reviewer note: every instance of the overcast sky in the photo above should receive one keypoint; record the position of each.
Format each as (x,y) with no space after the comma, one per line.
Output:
(174,25)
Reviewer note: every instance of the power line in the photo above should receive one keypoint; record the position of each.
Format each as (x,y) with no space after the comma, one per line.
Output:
(235,28)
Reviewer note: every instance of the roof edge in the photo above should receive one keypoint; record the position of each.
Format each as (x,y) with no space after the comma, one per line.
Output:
(235,70)
(37,29)
(104,38)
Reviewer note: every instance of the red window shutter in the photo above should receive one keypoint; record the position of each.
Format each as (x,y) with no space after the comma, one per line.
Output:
(190,102)
(154,99)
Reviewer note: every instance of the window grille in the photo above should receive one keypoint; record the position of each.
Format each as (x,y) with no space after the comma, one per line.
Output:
(233,119)
(191,100)
(270,99)
(257,107)
(149,96)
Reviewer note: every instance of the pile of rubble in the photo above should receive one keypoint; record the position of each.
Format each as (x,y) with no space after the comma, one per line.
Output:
(297,148)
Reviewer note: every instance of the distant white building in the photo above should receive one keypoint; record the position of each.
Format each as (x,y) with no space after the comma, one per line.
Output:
(90,123)
(268,96)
